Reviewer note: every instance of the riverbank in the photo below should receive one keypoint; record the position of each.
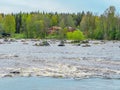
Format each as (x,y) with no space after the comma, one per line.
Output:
(23,58)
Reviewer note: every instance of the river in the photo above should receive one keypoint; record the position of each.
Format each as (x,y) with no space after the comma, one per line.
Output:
(45,83)
(86,68)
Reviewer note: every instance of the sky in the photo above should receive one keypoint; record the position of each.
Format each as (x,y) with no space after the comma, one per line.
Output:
(60,6)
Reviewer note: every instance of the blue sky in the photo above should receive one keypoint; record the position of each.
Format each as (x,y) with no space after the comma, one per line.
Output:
(96,6)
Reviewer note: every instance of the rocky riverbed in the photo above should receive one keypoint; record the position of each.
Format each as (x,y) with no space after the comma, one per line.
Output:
(26,58)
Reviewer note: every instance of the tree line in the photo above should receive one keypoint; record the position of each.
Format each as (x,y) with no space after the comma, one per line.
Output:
(36,24)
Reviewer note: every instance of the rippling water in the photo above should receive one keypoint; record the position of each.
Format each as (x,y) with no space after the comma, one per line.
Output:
(34,83)
(69,54)
(100,59)
(108,50)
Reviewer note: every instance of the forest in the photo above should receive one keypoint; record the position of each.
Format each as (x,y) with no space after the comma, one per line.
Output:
(73,26)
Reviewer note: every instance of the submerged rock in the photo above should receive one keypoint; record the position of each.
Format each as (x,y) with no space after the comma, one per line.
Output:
(23,40)
(15,72)
(12,40)
(15,56)
(103,41)
(8,75)
(6,40)
(85,41)
(86,45)
(45,43)
(75,41)
(1,43)
(77,44)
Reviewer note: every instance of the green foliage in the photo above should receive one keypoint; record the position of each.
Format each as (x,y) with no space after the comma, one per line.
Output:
(62,23)
(1,19)
(98,32)
(37,25)
(76,35)
(52,36)
(69,21)
(117,37)
(87,24)
(1,24)
(54,20)
(62,33)
(70,35)
(18,36)
(9,24)
(35,28)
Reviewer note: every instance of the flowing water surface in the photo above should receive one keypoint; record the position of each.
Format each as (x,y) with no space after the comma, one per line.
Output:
(35,83)
(24,59)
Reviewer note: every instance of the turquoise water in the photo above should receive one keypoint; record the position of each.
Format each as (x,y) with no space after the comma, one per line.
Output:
(45,83)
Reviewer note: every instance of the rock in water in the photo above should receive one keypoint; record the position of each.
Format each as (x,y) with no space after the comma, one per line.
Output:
(45,43)
(1,43)
(78,44)
(15,72)
(36,44)
(86,45)
(6,40)
(61,43)
(85,41)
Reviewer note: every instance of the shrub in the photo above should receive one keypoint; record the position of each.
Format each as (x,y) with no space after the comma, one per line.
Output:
(76,35)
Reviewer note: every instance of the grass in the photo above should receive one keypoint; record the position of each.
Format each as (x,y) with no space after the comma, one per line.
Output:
(18,36)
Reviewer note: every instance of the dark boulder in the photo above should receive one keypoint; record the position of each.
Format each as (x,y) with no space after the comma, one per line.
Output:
(12,40)
(5,35)
(44,43)
(78,44)
(85,41)
(8,75)
(86,45)
(15,72)
(61,43)
(75,41)
(6,40)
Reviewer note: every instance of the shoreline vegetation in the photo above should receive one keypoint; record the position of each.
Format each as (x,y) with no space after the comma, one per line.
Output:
(66,26)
